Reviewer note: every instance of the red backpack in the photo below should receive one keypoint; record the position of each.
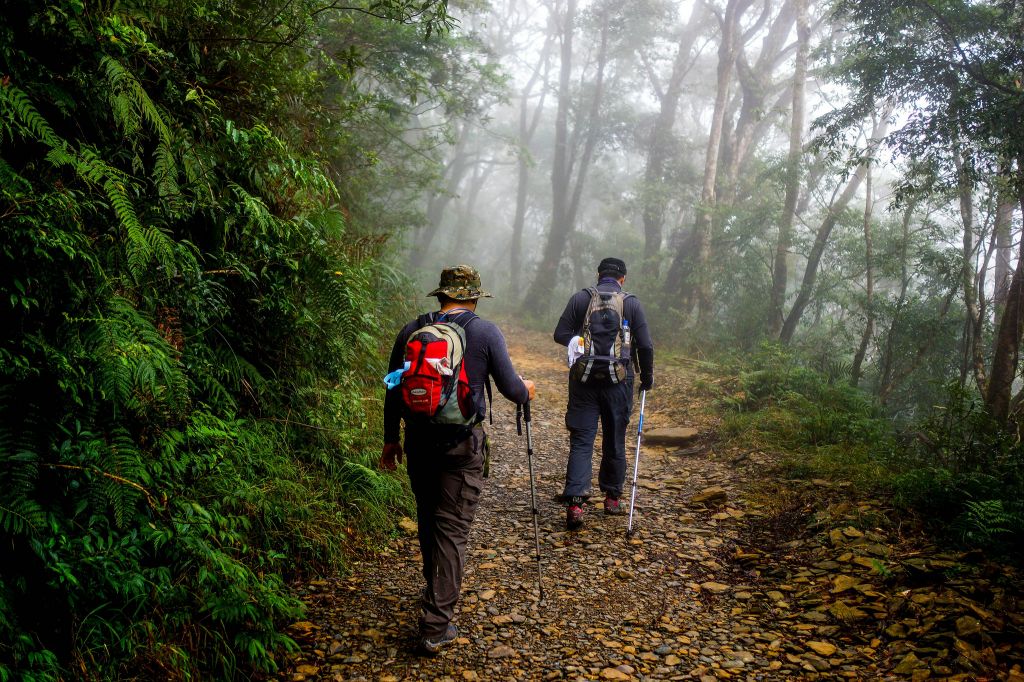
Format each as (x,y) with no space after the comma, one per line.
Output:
(437,373)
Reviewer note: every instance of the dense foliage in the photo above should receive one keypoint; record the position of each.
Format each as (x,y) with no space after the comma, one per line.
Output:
(952,467)
(195,202)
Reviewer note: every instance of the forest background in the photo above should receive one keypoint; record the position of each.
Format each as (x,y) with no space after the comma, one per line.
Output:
(215,213)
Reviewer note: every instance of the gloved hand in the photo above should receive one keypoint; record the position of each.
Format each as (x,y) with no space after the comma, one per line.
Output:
(390,455)
(646,382)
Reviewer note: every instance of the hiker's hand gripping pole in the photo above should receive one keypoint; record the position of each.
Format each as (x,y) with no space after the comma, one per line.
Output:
(523,414)
(636,463)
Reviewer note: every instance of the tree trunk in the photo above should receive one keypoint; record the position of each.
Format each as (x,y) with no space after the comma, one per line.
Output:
(1007,347)
(454,171)
(728,49)
(1004,246)
(780,269)
(973,351)
(590,132)
(539,294)
(655,193)
(825,230)
(869,285)
(527,128)
(890,339)
(593,125)
(756,84)
(478,180)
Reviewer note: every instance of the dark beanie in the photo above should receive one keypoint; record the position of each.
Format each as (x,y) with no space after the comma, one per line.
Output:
(612,265)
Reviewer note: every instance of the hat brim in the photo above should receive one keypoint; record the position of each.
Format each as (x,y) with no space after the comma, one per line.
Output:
(457,295)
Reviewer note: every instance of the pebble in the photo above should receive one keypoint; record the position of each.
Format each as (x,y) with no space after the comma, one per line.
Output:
(501,651)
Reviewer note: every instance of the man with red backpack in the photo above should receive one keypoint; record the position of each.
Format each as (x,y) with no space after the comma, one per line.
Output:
(606,332)
(439,379)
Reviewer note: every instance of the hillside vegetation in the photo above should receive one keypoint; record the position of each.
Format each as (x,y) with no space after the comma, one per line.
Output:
(192,296)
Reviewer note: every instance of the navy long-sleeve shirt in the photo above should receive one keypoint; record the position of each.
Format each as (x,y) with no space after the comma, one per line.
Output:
(571,322)
(486,356)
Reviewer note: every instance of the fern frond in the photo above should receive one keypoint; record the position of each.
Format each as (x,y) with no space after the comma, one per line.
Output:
(20,512)
(16,105)
(137,369)
(254,207)
(10,181)
(131,103)
(165,171)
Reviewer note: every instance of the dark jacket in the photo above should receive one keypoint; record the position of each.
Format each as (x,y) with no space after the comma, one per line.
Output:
(570,324)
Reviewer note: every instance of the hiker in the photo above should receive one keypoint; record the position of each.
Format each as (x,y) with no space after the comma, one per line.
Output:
(606,332)
(446,447)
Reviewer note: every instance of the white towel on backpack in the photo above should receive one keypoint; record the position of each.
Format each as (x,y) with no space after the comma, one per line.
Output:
(441,365)
(575,349)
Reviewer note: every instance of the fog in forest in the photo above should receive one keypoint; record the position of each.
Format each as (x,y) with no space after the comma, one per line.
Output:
(762,182)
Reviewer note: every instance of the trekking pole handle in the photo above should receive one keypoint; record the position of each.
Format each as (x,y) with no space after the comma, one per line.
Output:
(643,402)
(526,411)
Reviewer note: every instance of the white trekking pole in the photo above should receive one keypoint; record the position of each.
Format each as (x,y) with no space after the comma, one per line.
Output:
(636,464)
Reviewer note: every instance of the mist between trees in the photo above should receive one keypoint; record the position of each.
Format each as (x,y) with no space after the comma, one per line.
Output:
(214,215)
(841,178)
(832,188)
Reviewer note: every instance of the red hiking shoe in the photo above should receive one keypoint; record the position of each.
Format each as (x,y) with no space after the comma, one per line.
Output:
(612,505)
(574,514)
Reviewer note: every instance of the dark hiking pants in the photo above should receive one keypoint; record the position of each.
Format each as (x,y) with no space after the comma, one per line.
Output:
(447,487)
(587,405)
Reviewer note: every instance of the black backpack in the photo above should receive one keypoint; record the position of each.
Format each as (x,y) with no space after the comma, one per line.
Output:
(606,340)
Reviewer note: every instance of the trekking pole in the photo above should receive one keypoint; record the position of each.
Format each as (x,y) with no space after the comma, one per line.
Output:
(520,411)
(636,463)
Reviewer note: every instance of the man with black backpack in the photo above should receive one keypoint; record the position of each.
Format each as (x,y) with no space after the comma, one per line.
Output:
(439,379)
(606,332)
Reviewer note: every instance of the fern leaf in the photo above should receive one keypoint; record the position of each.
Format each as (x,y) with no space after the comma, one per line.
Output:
(17,106)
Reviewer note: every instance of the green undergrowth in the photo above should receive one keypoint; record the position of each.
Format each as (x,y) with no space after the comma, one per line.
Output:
(192,344)
(953,467)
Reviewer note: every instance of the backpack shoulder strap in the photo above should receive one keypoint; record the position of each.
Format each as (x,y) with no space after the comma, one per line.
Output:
(625,298)
(490,399)
(595,296)
(461,319)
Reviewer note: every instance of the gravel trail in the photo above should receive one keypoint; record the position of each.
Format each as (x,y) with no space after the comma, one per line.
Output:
(720,589)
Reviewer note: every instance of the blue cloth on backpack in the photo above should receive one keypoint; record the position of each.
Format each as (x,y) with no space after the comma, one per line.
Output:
(393,379)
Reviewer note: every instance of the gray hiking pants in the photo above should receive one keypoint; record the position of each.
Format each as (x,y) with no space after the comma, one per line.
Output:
(447,487)
(611,406)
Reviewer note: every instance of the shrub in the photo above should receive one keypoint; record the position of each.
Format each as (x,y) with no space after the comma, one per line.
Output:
(191,333)
(803,407)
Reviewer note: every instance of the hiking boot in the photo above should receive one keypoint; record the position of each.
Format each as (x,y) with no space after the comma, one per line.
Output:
(574,514)
(432,646)
(612,505)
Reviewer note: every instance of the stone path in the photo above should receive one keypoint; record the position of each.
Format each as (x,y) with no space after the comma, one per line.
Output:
(716,583)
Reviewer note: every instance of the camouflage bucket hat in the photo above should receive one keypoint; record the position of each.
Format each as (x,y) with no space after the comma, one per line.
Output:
(460,282)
